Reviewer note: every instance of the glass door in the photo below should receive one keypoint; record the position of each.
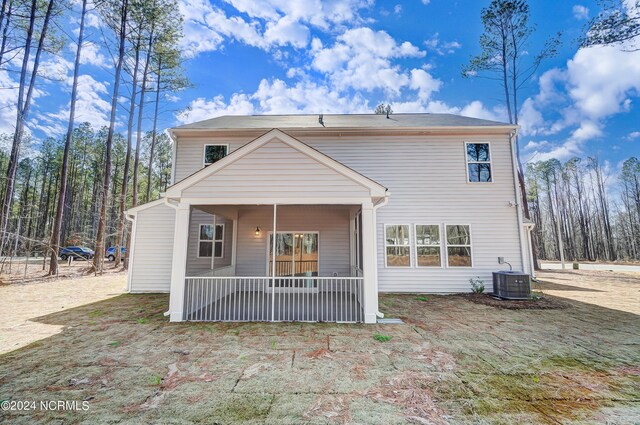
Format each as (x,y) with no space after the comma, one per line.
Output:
(296,256)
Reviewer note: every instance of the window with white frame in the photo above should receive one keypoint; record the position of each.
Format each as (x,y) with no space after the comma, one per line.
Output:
(458,238)
(214,153)
(397,245)
(427,239)
(206,241)
(478,162)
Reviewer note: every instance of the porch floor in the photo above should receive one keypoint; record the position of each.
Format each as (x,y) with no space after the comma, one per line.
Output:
(242,306)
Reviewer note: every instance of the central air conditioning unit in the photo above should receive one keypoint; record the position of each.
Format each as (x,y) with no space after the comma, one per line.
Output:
(512,285)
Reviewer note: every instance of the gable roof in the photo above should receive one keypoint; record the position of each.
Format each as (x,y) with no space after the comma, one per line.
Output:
(375,188)
(342,121)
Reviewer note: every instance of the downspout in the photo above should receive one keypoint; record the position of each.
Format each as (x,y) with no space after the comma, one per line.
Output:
(381,203)
(131,218)
(518,207)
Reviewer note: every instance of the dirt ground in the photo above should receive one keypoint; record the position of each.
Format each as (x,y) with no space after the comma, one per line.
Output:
(21,302)
(453,361)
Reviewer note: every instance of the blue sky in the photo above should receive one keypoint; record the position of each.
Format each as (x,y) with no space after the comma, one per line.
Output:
(314,56)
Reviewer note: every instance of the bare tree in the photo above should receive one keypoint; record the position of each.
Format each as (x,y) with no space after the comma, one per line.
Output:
(118,14)
(55,235)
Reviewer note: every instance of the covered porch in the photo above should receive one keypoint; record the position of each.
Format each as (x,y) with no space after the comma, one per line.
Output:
(275,231)
(315,275)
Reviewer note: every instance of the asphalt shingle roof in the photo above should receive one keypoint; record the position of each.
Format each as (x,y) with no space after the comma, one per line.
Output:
(340,121)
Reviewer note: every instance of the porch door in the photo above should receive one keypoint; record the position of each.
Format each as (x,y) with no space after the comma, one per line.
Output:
(296,256)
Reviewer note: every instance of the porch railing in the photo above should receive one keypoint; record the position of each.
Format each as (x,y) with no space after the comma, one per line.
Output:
(285,268)
(305,299)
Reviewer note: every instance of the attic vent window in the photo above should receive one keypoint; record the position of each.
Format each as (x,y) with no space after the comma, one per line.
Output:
(214,153)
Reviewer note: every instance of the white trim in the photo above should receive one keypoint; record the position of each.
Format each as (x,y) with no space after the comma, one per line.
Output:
(132,249)
(416,245)
(384,234)
(490,162)
(135,210)
(343,200)
(270,232)
(213,246)
(446,246)
(375,189)
(204,152)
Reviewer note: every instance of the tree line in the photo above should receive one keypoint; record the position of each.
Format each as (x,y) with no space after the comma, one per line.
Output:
(38,180)
(76,189)
(582,213)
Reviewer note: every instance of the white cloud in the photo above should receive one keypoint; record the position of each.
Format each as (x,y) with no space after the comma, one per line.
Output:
(362,59)
(598,82)
(397,9)
(601,79)
(262,24)
(424,83)
(441,47)
(426,2)
(287,31)
(580,12)
(277,97)
(633,135)
(91,55)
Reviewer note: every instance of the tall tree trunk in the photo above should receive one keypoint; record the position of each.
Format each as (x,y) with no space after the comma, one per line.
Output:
(55,234)
(25,94)
(154,132)
(98,259)
(125,175)
(5,29)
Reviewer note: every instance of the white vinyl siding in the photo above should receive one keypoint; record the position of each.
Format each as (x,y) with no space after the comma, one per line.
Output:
(426,177)
(196,264)
(276,170)
(153,250)
(428,184)
(189,153)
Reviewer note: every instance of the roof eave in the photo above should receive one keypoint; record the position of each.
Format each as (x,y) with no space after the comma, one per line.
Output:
(507,128)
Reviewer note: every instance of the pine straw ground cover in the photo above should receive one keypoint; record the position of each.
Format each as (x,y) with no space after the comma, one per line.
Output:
(454,361)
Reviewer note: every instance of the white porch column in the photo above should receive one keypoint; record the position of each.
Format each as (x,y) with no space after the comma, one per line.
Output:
(179,264)
(369,263)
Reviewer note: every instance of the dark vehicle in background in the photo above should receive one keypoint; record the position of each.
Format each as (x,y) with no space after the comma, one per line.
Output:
(111,253)
(76,252)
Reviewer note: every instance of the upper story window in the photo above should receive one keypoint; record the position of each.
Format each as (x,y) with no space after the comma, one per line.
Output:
(478,162)
(214,153)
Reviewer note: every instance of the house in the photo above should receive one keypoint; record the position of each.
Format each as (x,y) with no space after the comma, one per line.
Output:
(358,204)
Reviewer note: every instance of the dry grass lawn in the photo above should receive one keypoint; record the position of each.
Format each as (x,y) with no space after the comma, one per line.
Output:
(20,302)
(454,361)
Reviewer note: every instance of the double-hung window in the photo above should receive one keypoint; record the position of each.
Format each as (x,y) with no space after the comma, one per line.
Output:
(478,162)
(427,238)
(398,245)
(458,238)
(207,240)
(214,153)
